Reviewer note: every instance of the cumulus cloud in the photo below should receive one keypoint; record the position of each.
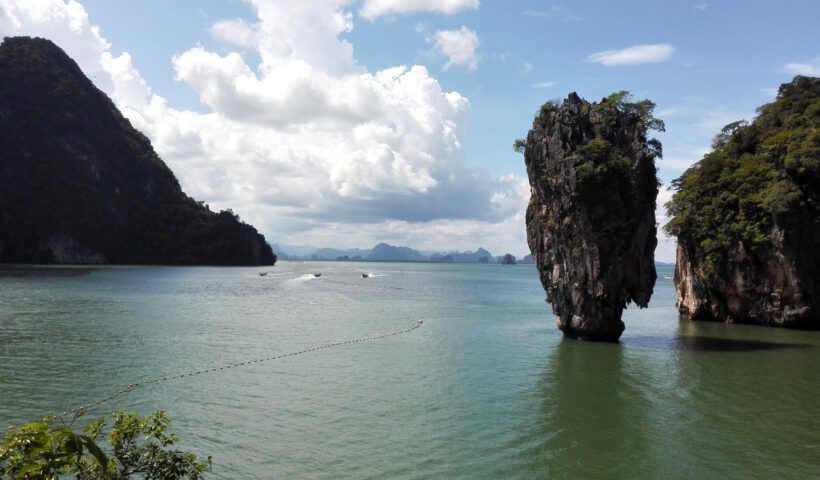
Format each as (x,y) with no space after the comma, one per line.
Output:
(308,144)
(636,55)
(459,46)
(373,9)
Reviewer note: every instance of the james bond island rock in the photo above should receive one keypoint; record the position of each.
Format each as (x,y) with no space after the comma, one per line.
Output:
(591,217)
(78,184)
(747,218)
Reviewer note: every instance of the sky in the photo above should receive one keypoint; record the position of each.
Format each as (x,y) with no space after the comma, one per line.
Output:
(344,123)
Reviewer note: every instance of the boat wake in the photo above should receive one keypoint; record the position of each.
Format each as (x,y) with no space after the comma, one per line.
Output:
(371,275)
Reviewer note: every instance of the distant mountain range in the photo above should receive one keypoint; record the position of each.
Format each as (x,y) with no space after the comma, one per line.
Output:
(384,252)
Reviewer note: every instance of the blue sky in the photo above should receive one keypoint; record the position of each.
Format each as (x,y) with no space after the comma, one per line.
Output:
(292,116)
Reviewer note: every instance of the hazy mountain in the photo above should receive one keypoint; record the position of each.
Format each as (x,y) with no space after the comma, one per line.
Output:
(388,253)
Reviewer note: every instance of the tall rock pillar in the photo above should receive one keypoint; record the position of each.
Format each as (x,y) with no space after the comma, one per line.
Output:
(591,218)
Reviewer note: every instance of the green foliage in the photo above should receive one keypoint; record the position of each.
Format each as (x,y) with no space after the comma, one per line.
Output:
(603,157)
(619,106)
(756,173)
(40,451)
(544,113)
(598,160)
(139,447)
(606,168)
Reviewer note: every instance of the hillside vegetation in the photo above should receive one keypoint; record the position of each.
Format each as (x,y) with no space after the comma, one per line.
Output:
(758,174)
(78,184)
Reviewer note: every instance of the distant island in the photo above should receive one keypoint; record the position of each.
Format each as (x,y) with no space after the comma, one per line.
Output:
(78,184)
(384,252)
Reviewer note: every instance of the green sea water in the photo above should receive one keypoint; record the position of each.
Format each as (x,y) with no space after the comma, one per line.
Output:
(487,388)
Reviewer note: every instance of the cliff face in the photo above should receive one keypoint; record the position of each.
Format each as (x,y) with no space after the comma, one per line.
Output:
(78,184)
(747,218)
(765,287)
(591,221)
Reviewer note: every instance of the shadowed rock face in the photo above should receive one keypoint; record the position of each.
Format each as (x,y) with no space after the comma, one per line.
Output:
(78,184)
(774,286)
(591,217)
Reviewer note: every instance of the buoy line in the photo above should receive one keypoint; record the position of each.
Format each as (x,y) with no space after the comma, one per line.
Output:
(77,412)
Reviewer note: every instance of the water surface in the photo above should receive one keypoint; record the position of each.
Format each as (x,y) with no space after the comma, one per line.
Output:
(486,388)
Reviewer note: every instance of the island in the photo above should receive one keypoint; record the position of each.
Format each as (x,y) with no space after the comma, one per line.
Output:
(78,184)
(747,218)
(591,216)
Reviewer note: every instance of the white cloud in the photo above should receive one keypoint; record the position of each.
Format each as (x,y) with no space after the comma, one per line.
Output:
(373,9)
(308,146)
(554,12)
(526,68)
(237,32)
(665,251)
(544,84)
(458,45)
(667,112)
(636,55)
(701,7)
(811,68)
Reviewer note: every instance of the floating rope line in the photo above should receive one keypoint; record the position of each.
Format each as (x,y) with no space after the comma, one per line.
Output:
(77,412)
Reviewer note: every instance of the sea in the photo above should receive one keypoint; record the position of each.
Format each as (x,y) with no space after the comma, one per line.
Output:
(485,388)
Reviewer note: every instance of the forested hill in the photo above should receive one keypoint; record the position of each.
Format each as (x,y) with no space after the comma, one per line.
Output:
(747,217)
(78,184)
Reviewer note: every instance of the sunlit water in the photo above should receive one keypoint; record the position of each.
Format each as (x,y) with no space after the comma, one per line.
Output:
(486,388)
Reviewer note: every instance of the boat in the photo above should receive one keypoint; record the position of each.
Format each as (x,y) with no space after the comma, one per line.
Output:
(317,275)
(262,274)
(365,275)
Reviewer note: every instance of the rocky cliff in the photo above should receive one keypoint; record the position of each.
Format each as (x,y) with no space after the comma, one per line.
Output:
(747,218)
(591,217)
(78,184)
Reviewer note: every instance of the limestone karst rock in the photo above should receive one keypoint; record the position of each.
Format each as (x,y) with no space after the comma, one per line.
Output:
(591,218)
(78,184)
(747,218)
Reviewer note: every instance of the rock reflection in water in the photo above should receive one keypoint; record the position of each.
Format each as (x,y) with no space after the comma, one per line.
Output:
(592,416)
(707,344)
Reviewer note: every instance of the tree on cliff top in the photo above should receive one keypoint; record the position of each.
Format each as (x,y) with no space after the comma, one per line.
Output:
(611,108)
(756,173)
